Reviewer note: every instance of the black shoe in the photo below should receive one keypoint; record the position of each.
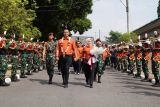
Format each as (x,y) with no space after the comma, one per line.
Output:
(14,79)
(145,80)
(91,86)
(66,86)
(137,76)
(87,85)
(156,85)
(23,76)
(28,73)
(99,81)
(50,82)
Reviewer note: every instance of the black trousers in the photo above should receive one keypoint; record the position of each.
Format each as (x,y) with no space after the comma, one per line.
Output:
(59,66)
(64,65)
(89,73)
(77,66)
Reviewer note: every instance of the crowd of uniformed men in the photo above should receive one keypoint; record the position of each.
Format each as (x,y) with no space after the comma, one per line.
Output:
(89,58)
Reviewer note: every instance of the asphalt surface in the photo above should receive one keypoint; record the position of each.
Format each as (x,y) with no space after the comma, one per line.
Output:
(116,90)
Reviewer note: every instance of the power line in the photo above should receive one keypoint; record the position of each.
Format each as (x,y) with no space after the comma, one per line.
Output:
(122,3)
(52,10)
(68,4)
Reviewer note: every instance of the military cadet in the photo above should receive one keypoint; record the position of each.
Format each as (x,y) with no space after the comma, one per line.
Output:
(66,47)
(40,55)
(29,52)
(89,62)
(106,55)
(3,59)
(13,47)
(113,56)
(131,59)
(119,52)
(146,56)
(100,63)
(36,58)
(22,57)
(156,59)
(49,54)
(125,57)
(138,56)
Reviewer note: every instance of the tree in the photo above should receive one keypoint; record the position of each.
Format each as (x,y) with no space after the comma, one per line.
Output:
(117,37)
(53,15)
(158,9)
(114,37)
(15,18)
(125,37)
(134,37)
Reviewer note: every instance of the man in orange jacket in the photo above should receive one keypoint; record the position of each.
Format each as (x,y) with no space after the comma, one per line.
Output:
(66,47)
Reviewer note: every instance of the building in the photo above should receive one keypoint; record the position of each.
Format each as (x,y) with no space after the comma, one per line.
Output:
(81,38)
(149,28)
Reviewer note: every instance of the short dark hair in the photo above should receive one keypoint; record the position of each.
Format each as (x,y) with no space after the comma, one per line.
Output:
(98,40)
(50,34)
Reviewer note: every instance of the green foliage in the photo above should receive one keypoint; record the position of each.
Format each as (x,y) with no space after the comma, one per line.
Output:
(53,15)
(15,18)
(125,37)
(117,37)
(114,37)
(134,37)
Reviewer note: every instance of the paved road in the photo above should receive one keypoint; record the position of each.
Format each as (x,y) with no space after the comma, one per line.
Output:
(117,90)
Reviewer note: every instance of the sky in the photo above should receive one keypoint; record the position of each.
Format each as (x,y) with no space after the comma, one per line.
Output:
(110,15)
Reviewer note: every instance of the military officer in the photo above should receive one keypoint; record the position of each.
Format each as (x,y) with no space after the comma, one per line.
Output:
(13,47)
(156,59)
(146,56)
(131,59)
(100,63)
(3,59)
(138,56)
(22,57)
(29,52)
(49,54)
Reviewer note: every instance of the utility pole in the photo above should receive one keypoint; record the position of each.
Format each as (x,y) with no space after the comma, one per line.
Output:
(99,34)
(127,10)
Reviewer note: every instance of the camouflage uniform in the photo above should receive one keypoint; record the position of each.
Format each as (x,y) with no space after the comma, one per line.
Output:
(119,59)
(23,60)
(138,56)
(125,60)
(155,62)
(14,61)
(3,64)
(145,61)
(100,70)
(36,60)
(131,60)
(13,49)
(50,59)
(30,54)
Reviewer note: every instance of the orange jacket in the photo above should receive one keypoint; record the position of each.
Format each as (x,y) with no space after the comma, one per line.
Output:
(106,54)
(86,52)
(66,46)
(80,52)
